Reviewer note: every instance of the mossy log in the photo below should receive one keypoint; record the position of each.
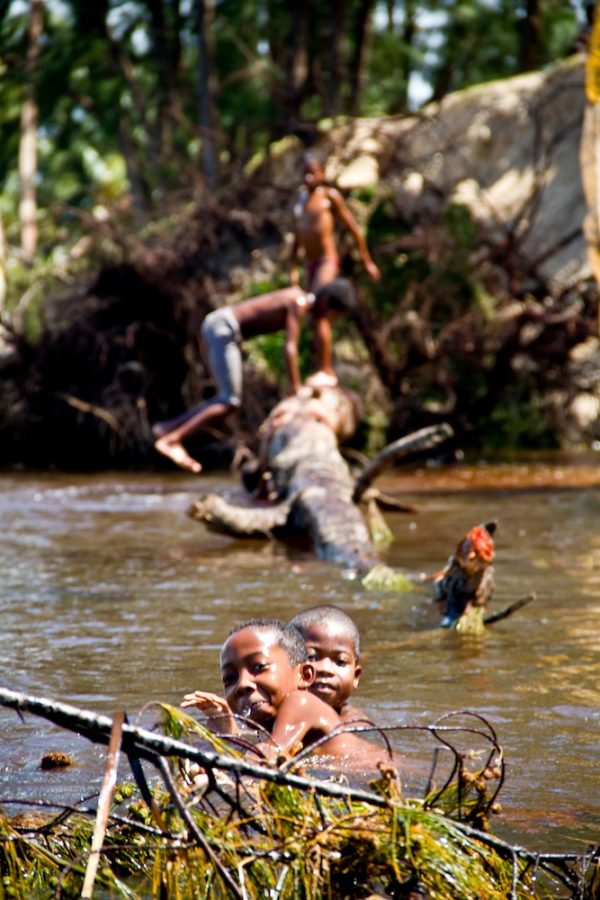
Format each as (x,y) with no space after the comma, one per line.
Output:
(302,469)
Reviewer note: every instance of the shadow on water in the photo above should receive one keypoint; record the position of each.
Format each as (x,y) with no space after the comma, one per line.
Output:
(111,596)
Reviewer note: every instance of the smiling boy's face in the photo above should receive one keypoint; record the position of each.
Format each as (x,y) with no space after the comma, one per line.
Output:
(331,650)
(257,674)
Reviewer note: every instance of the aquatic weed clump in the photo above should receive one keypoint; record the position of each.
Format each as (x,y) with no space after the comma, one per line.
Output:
(205,817)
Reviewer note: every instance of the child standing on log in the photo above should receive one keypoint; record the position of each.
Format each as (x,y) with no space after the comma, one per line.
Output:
(318,209)
(223,331)
(266,675)
(333,647)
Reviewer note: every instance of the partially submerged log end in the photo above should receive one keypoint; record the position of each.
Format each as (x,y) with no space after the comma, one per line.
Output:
(416,442)
(471,622)
(383,578)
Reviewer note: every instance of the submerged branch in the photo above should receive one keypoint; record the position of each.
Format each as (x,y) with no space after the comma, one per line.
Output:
(256,519)
(267,847)
(510,609)
(147,745)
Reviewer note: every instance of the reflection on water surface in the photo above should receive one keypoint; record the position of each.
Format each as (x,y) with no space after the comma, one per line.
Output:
(111,597)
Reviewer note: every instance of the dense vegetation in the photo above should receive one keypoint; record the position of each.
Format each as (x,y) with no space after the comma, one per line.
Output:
(139,104)
(130,134)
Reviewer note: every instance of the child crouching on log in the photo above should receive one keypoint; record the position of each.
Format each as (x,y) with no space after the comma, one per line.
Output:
(266,675)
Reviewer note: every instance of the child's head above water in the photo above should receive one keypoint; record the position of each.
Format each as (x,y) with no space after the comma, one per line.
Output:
(262,661)
(333,647)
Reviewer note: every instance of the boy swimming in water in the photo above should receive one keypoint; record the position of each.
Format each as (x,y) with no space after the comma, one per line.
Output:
(266,676)
(333,647)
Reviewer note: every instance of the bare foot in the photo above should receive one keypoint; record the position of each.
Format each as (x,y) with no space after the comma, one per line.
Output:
(178,454)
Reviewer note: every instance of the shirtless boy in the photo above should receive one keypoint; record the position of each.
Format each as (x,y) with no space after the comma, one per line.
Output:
(266,676)
(222,332)
(333,646)
(316,213)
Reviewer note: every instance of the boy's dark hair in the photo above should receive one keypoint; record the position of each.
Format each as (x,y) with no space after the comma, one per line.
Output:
(288,637)
(337,296)
(326,612)
(313,157)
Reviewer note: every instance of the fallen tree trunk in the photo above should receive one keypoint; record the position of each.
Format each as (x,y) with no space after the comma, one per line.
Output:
(305,472)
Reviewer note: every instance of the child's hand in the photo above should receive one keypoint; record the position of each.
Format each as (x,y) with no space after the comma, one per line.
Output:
(211,704)
(207,702)
(215,708)
(372,271)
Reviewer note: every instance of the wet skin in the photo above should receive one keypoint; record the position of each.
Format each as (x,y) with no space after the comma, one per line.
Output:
(257,674)
(262,685)
(331,650)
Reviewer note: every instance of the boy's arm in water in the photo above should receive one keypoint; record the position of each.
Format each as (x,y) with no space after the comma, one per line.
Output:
(354,714)
(342,211)
(215,708)
(303,719)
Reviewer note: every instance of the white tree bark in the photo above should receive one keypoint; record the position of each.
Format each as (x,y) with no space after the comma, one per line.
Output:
(28,142)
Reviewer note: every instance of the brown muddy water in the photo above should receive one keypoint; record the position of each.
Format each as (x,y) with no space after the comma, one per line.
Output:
(111,597)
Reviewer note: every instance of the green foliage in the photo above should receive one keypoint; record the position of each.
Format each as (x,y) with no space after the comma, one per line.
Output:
(559,27)
(483,41)
(290,842)
(117,93)
(459,222)
(517,421)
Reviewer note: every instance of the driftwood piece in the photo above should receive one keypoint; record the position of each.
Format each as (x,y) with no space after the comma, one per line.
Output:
(306,459)
(507,611)
(303,468)
(104,800)
(218,512)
